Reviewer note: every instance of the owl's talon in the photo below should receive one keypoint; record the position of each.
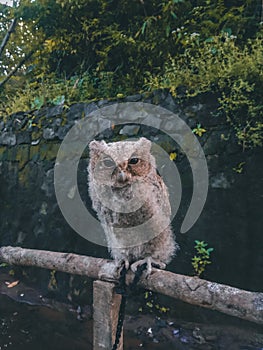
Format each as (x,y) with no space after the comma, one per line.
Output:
(126,264)
(150,263)
(119,265)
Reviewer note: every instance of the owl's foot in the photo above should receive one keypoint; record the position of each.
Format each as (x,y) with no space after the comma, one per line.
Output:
(150,262)
(119,265)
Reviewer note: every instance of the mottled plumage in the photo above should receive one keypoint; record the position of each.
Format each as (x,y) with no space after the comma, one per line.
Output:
(132,204)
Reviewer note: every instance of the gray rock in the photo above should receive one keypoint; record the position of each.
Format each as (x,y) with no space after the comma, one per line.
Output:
(106,134)
(62,131)
(57,122)
(49,134)
(133,98)
(170,104)
(172,125)
(104,123)
(20,238)
(39,229)
(103,103)
(7,138)
(48,183)
(219,181)
(214,143)
(2,126)
(130,130)
(22,123)
(131,113)
(54,111)
(24,138)
(89,108)
(154,121)
(76,111)
(169,100)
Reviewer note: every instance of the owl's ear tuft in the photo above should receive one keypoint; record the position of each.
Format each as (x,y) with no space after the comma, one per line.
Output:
(145,144)
(97,146)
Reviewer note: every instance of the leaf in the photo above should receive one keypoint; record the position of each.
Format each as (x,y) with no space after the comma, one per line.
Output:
(227,30)
(213,50)
(149,304)
(196,259)
(38,102)
(199,130)
(167,30)
(12,284)
(173,156)
(164,309)
(59,100)
(144,27)
(120,95)
(173,15)
(209,40)
(3,265)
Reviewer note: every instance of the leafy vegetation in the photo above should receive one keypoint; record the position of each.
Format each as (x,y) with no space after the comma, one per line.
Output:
(70,51)
(201,258)
(234,72)
(199,130)
(151,303)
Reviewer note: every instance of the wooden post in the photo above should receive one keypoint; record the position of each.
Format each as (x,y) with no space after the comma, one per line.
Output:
(106,304)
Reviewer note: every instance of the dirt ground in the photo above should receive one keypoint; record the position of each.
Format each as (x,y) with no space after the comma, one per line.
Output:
(28,321)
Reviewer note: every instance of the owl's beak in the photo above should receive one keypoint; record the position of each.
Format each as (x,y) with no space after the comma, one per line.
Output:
(122,177)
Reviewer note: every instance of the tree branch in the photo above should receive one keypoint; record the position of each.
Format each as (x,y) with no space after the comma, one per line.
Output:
(7,36)
(229,300)
(13,71)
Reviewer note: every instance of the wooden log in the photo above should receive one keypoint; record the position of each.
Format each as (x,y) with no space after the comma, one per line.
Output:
(106,304)
(229,300)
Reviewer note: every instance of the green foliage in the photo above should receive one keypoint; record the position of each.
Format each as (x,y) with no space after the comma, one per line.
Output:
(4,265)
(52,285)
(151,303)
(84,50)
(51,91)
(202,257)
(219,64)
(198,130)
(239,167)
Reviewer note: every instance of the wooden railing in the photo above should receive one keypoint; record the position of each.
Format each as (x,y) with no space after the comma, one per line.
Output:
(229,300)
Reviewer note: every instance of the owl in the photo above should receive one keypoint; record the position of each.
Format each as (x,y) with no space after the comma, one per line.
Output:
(132,203)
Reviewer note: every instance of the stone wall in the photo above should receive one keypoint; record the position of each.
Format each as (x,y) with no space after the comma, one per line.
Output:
(231,222)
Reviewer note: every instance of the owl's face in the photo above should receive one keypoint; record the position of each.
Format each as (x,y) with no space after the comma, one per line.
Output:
(119,164)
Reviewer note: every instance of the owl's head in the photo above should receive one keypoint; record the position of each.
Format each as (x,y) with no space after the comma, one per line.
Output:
(119,164)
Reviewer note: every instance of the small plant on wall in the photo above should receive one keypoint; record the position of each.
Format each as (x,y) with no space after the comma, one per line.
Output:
(201,258)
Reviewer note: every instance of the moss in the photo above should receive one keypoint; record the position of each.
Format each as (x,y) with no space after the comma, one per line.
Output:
(22,155)
(48,151)
(34,152)
(36,135)
(24,176)
(2,153)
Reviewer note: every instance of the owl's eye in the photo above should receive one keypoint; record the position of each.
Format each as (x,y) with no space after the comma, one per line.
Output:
(133,160)
(108,162)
